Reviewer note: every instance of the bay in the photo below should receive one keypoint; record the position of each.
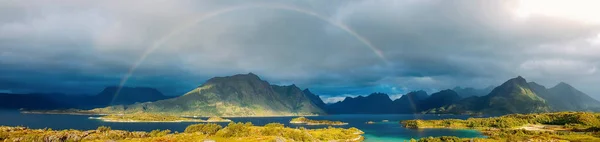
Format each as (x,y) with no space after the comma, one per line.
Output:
(380,131)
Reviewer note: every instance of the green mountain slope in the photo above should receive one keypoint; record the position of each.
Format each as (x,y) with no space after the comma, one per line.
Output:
(564,97)
(513,96)
(238,95)
(470,92)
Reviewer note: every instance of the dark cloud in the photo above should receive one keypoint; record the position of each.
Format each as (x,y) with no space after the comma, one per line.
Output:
(82,46)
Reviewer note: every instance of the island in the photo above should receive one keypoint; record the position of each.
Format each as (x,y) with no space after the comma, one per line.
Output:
(145,117)
(217,119)
(558,126)
(246,132)
(306,121)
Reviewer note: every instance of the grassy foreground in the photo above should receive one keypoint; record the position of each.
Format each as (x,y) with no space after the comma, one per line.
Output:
(304,120)
(245,132)
(559,126)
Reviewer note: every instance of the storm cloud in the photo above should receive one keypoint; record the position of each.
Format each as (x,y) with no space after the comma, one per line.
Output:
(81,46)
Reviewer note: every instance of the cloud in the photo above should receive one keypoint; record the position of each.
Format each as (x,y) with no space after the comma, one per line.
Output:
(82,46)
(337,98)
(5,91)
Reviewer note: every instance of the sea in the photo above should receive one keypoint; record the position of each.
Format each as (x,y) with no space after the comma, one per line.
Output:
(386,127)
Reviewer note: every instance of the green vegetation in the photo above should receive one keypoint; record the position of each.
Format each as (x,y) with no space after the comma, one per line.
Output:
(565,126)
(579,120)
(146,117)
(304,120)
(230,96)
(197,132)
(207,129)
(513,96)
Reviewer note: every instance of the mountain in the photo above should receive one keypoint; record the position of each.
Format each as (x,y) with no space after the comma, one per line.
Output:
(439,99)
(28,101)
(564,97)
(315,99)
(128,95)
(409,103)
(376,103)
(513,96)
(238,95)
(42,101)
(470,92)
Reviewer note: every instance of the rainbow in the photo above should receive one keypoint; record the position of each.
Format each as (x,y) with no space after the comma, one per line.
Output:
(216,13)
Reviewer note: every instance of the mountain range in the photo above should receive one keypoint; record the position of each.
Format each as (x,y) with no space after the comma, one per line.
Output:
(107,97)
(514,96)
(249,95)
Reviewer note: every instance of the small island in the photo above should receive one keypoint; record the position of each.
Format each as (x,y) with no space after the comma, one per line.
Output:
(217,119)
(304,120)
(558,126)
(235,132)
(145,117)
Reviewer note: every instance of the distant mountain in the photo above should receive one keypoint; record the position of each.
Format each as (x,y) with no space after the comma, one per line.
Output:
(376,103)
(513,96)
(380,103)
(439,99)
(28,101)
(315,99)
(470,92)
(238,95)
(564,97)
(410,103)
(42,101)
(128,95)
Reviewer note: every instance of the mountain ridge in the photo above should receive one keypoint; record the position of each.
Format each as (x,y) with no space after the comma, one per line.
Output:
(237,95)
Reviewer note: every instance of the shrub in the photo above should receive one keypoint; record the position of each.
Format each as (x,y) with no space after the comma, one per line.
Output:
(103,129)
(159,133)
(273,129)
(275,125)
(235,130)
(297,135)
(209,129)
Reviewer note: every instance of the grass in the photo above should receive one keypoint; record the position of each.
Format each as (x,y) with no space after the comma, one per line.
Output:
(233,132)
(559,126)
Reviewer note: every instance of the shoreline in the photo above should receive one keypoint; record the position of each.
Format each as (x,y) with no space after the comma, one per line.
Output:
(137,121)
(306,121)
(66,113)
(314,124)
(175,121)
(82,112)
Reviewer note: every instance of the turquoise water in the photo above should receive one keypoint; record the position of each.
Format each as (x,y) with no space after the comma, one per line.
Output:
(378,132)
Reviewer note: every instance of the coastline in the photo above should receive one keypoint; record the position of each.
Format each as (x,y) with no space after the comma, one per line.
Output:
(126,120)
(306,121)
(61,112)
(84,112)
(314,124)
(137,121)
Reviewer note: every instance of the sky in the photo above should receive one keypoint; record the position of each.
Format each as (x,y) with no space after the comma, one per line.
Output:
(337,48)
